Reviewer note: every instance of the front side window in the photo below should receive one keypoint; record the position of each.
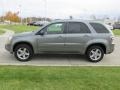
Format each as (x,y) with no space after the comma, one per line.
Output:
(78,27)
(56,28)
(99,28)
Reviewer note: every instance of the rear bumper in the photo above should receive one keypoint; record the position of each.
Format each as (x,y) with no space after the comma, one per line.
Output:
(110,49)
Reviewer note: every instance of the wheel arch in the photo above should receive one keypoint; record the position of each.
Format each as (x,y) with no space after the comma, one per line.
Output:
(23,42)
(103,46)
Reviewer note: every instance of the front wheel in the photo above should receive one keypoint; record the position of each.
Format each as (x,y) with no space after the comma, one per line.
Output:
(23,52)
(95,54)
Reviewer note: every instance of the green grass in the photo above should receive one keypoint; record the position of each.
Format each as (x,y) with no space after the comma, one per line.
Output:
(116,32)
(59,78)
(19,28)
(1,31)
(25,28)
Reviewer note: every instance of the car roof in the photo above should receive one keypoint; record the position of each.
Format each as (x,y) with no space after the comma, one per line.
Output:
(73,20)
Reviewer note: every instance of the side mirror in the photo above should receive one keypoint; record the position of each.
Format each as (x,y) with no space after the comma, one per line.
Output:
(42,32)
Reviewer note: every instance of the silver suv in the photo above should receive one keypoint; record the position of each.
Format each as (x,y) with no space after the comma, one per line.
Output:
(90,38)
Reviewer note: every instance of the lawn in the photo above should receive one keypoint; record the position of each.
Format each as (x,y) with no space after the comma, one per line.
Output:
(19,28)
(1,31)
(59,78)
(116,31)
(25,28)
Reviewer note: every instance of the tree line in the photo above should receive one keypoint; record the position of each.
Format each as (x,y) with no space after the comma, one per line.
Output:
(14,17)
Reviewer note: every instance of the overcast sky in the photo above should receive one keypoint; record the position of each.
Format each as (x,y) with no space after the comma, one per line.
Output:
(61,8)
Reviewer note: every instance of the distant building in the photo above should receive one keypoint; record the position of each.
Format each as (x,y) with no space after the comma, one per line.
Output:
(109,21)
(106,21)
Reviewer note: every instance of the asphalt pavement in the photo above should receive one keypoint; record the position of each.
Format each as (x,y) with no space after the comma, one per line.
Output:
(58,59)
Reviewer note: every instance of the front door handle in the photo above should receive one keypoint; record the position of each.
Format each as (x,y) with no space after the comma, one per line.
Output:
(86,36)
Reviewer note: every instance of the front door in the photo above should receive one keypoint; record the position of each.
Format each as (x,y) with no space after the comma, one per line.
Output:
(53,38)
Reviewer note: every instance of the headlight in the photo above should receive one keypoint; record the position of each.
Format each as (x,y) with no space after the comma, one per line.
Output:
(9,39)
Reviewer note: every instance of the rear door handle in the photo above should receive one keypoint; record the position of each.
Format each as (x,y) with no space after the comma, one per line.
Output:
(59,36)
(87,36)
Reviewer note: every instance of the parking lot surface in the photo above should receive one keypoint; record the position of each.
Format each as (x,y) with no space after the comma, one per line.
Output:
(59,60)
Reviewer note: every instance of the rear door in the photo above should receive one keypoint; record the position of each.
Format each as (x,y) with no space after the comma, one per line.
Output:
(78,34)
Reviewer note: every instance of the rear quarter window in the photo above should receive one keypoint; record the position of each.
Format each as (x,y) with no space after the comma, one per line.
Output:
(99,28)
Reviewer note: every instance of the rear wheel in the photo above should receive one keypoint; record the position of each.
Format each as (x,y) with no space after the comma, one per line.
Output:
(95,53)
(23,52)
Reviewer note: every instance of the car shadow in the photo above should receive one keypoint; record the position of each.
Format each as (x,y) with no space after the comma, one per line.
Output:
(62,57)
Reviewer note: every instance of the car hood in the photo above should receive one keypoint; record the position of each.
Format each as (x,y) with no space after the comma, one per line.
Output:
(24,34)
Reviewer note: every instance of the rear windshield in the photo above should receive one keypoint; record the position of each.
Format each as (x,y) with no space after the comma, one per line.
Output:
(99,28)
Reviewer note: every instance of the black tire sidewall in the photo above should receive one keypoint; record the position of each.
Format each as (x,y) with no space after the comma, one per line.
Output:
(95,47)
(24,46)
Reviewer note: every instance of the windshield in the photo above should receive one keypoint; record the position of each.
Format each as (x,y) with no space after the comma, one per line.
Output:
(36,31)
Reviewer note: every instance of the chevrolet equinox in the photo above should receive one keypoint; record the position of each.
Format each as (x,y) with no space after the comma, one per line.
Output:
(89,38)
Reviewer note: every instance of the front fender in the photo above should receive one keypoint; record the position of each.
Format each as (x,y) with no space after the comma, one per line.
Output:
(24,40)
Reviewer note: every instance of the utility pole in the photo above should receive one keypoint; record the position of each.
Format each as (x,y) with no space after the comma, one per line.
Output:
(2,11)
(45,8)
(20,11)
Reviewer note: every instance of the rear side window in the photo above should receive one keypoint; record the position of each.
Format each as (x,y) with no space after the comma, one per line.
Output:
(78,27)
(99,28)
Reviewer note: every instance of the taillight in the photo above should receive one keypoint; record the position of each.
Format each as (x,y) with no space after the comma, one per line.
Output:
(112,39)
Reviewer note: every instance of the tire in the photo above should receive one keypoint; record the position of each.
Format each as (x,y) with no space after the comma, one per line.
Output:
(93,56)
(23,52)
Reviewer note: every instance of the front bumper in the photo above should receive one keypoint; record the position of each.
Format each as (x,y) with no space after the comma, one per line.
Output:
(8,47)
